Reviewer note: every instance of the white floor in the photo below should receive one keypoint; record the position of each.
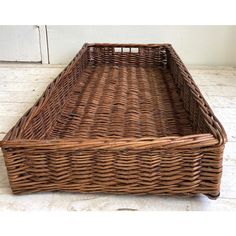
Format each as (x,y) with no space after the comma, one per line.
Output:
(21,85)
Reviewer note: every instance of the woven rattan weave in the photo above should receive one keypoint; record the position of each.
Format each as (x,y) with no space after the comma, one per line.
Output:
(121,118)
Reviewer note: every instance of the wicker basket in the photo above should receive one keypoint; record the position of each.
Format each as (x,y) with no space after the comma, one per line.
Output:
(121,118)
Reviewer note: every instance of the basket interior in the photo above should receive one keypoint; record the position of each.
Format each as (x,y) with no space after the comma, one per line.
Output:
(126,92)
(122,101)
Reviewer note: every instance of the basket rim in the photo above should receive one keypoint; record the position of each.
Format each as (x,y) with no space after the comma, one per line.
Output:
(176,142)
(150,45)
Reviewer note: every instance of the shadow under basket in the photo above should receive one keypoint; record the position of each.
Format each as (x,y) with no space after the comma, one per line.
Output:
(122,119)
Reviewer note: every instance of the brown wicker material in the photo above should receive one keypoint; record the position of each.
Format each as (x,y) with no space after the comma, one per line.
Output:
(121,118)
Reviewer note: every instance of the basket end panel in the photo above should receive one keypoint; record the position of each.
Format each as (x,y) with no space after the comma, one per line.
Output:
(128,54)
(128,171)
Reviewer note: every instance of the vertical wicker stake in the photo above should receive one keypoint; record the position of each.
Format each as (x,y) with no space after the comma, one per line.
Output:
(163,56)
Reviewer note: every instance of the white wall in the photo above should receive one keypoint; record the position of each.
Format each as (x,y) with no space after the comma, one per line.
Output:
(210,45)
(20,43)
(206,45)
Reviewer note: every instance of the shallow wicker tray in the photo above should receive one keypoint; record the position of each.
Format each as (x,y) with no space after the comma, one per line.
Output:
(121,118)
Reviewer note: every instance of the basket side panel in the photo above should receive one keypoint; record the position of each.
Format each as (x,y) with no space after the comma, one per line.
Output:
(40,119)
(160,172)
(201,115)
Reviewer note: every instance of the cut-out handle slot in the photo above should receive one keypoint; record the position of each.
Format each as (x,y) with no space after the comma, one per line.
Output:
(117,49)
(126,49)
(134,50)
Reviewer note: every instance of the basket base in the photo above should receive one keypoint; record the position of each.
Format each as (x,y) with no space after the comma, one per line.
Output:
(121,102)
